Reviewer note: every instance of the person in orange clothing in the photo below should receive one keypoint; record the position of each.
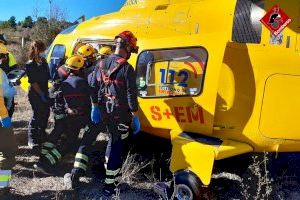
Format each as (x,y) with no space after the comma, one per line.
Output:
(8,64)
(8,146)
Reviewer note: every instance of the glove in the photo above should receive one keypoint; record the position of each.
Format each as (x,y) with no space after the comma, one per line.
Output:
(136,125)
(96,115)
(44,98)
(6,122)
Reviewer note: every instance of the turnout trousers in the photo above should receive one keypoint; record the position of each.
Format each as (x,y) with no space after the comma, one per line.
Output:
(39,120)
(8,150)
(62,138)
(118,135)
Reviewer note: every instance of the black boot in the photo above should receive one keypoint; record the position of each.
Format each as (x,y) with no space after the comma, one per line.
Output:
(109,190)
(42,167)
(4,192)
(71,181)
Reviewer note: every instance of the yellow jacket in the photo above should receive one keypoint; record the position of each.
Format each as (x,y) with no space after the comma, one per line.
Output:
(3,110)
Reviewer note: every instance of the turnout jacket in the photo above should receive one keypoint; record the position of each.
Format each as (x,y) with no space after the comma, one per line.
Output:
(122,82)
(76,93)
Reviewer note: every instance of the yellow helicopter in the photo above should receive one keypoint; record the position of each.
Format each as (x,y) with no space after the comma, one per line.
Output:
(211,77)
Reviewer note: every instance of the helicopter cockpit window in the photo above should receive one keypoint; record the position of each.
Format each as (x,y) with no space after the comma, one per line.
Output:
(57,56)
(247,27)
(171,72)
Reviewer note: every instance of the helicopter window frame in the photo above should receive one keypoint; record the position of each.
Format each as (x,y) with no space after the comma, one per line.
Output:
(201,87)
(105,42)
(58,53)
(247,27)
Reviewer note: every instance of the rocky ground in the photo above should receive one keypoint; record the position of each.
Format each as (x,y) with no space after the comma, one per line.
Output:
(258,176)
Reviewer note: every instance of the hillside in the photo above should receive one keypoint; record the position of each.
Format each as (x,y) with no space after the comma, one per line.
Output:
(41,30)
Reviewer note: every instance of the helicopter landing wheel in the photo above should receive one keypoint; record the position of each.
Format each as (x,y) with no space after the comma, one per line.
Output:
(187,186)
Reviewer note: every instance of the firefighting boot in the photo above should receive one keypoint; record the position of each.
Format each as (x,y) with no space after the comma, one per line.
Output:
(109,190)
(4,192)
(42,167)
(71,181)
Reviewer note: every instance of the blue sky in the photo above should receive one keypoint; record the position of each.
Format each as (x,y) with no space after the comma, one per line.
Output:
(74,8)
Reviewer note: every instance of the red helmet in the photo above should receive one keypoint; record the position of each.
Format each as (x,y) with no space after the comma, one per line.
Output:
(130,39)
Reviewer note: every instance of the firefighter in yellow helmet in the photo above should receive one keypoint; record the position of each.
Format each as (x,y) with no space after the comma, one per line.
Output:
(88,52)
(7,64)
(72,96)
(103,53)
(8,145)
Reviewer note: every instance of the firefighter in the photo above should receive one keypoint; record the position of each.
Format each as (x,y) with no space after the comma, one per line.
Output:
(8,64)
(9,103)
(8,146)
(117,106)
(103,53)
(72,99)
(37,71)
(60,124)
(89,54)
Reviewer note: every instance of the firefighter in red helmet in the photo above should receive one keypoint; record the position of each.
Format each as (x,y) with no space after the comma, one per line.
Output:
(116,108)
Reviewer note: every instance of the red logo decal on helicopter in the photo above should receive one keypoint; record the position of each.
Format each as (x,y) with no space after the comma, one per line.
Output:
(276,20)
(180,113)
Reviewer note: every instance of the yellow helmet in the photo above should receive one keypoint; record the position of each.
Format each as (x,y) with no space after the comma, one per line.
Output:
(106,51)
(86,51)
(3,49)
(75,62)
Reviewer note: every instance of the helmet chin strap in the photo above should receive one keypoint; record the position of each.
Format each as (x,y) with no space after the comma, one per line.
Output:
(128,55)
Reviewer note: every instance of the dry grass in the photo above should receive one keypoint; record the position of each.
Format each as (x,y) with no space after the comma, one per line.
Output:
(258,185)
(20,54)
(131,169)
(265,178)
(27,184)
(23,110)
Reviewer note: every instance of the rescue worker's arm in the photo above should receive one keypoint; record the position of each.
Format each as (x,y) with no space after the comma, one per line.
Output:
(130,78)
(3,110)
(9,91)
(37,88)
(94,88)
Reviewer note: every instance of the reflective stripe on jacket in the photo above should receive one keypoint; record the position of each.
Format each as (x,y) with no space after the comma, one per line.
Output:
(12,61)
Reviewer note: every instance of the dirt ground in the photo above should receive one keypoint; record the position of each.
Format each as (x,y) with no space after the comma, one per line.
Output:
(29,184)
(259,176)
